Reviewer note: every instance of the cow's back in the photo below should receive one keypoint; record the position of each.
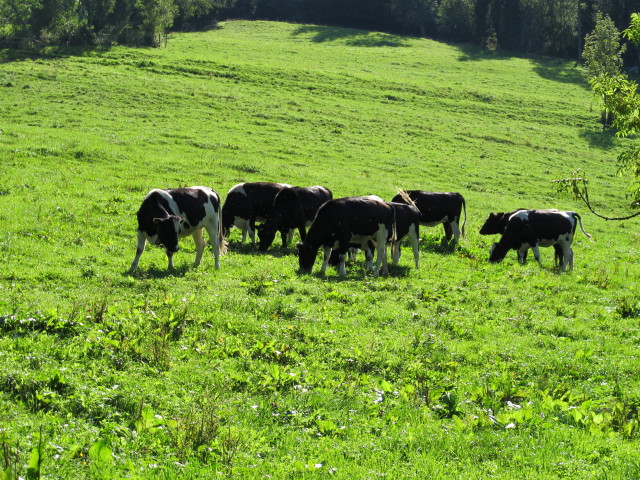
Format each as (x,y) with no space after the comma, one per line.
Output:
(192,202)
(349,215)
(249,200)
(311,199)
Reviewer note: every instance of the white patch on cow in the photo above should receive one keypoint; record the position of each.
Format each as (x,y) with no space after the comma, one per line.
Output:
(325,260)
(381,246)
(521,214)
(239,188)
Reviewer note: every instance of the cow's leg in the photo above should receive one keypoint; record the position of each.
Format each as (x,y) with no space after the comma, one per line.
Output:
(198,238)
(244,234)
(251,230)
(290,235)
(214,240)
(536,253)
(368,255)
(325,260)
(303,232)
(342,269)
(571,259)
(567,257)
(522,255)
(558,258)
(142,241)
(456,231)
(414,239)
(381,245)
(448,231)
(395,252)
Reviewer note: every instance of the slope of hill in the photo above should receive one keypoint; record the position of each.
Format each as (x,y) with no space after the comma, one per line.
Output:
(458,370)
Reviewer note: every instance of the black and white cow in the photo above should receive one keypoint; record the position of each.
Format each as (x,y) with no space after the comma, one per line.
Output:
(248,203)
(345,222)
(438,207)
(407,224)
(293,208)
(496,224)
(166,215)
(538,228)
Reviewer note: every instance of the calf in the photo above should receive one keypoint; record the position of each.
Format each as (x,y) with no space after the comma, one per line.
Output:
(497,222)
(407,224)
(166,215)
(248,203)
(436,208)
(293,207)
(538,228)
(345,222)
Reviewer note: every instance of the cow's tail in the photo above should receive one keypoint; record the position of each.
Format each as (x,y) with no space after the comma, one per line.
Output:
(464,207)
(394,228)
(405,196)
(581,227)
(222,241)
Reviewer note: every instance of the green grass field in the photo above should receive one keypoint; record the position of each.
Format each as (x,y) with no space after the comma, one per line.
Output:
(458,370)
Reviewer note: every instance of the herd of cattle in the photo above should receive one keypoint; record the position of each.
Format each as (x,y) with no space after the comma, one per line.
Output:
(339,226)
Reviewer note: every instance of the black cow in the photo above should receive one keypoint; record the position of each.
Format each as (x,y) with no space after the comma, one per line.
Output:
(497,222)
(438,207)
(248,203)
(538,228)
(407,224)
(166,215)
(293,207)
(346,222)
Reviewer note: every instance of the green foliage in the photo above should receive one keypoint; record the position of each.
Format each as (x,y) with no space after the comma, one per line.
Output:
(602,57)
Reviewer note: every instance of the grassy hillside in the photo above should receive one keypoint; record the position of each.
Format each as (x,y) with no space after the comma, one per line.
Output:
(460,369)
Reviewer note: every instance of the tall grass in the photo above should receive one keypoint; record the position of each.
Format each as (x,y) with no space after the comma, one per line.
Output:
(460,369)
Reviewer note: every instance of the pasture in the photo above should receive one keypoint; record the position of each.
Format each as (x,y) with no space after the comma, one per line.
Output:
(460,369)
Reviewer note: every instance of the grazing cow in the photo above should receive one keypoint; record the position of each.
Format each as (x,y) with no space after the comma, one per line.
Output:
(436,208)
(497,222)
(166,215)
(345,222)
(538,228)
(293,207)
(407,223)
(248,203)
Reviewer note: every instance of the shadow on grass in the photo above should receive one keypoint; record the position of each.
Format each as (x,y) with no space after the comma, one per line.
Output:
(600,138)
(550,68)
(352,37)
(356,271)
(157,273)
(12,55)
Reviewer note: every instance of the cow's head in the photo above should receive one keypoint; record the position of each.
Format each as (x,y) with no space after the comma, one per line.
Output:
(497,253)
(168,231)
(306,257)
(265,236)
(493,224)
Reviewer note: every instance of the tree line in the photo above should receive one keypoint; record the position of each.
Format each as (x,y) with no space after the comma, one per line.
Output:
(551,27)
